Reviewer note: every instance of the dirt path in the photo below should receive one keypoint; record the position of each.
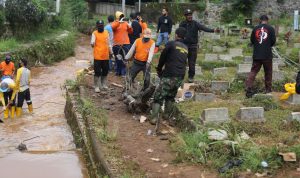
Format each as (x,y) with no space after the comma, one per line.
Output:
(53,153)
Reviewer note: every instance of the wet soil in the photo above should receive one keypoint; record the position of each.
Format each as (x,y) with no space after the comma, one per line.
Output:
(53,153)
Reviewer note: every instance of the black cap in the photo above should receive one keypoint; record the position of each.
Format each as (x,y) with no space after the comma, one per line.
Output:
(264,18)
(188,11)
(180,32)
(100,22)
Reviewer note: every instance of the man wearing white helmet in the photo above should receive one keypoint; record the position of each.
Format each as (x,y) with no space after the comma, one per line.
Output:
(8,90)
(143,50)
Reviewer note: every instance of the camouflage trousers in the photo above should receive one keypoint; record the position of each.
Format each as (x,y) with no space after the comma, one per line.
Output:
(167,89)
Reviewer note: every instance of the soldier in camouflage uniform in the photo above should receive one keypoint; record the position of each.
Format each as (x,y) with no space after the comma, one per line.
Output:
(174,60)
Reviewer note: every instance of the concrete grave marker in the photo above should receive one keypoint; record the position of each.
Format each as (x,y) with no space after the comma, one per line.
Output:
(205,97)
(220,71)
(275,67)
(279,62)
(235,52)
(294,116)
(251,114)
(218,49)
(277,76)
(296,45)
(294,99)
(215,115)
(243,70)
(248,59)
(198,70)
(211,57)
(219,86)
(225,57)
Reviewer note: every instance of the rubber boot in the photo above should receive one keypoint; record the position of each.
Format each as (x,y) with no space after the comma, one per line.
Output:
(104,82)
(6,114)
(30,108)
(18,111)
(96,84)
(168,110)
(12,112)
(155,113)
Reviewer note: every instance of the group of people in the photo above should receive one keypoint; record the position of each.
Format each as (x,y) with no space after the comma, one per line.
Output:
(134,40)
(14,87)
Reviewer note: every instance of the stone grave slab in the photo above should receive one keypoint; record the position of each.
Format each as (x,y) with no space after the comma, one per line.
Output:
(235,52)
(277,76)
(294,99)
(294,116)
(251,114)
(296,45)
(279,62)
(243,70)
(225,57)
(211,57)
(205,97)
(220,71)
(248,59)
(198,70)
(218,49)
(219,86)
(214,115)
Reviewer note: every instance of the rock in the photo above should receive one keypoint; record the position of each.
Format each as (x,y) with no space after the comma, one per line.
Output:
(296,45)
(164,165)
(248,59)
(143,119)
(220,71)
(219,86)
(214,115)
(205,97)
(155,159)
(235,52)
(218,49)
(289,157)
(277,76)
(294,116)
(211,57)
(244,136)
(251,114)
(217,135)
(198,70)
(294,99)
(225,57)
(149,150)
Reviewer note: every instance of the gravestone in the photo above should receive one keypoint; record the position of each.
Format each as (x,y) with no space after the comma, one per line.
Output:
(214,115)
(294,116)
(225,57)
(277,76)
(235,52)
(294,99)
(243,70)
(296,45)
(275,67)
(211,57)
(279,62)
(220,71)
(198,70)
(218,49)
(248,59)
(205,97)
(251,114)
(219,86)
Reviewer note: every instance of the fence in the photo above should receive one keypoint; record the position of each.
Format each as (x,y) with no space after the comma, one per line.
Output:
(111,8)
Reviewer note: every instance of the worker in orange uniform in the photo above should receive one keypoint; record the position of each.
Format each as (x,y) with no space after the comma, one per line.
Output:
(143,24)
(7,68)
(143,48)
(8,90)
(102,48)
(121,44)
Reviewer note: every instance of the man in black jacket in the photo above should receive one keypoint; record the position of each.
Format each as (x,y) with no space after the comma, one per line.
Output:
(263,39)
(174,59)
(137,29)
(191,40)
(164,29)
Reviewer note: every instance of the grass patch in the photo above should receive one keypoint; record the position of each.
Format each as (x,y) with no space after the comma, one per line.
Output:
(8,44)
(268,103)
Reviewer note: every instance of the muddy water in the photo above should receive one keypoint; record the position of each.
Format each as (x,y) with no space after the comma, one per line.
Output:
(53,153)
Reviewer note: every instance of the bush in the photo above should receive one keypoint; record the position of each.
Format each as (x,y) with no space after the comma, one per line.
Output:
(2,21)
(244,7)
(24,16)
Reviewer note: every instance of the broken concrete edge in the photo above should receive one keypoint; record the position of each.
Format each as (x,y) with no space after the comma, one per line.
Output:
(91,145)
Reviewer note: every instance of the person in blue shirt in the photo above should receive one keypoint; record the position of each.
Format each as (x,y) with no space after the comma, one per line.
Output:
(108,27)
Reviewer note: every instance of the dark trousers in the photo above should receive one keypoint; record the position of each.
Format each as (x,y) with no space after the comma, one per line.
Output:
(268,69)
(101,67)
(138,66)
(120,66)
(7,96)
(24,95)
(192,57)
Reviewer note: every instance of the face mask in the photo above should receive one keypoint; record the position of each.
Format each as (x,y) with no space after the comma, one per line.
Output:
(146,40)
(100,29)
(7,61)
